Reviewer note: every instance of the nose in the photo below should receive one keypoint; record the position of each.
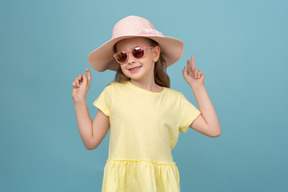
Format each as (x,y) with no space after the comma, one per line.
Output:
(131,59)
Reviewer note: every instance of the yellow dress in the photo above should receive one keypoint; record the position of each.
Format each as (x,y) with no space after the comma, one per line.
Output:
(144,128)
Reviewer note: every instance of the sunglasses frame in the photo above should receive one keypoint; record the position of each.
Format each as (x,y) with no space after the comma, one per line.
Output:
(130,51)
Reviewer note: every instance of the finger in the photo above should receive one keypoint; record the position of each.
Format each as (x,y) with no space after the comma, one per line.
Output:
(189,70)
(193,63)
(199,75)
(89,76)
(202,76)
(74,84)
(77,81)
(196,71)
(84,79)
(184,71)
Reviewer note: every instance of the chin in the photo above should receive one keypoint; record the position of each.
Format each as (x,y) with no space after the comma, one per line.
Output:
(134,76)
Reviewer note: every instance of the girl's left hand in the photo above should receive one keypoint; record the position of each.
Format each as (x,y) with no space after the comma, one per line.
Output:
(192,75)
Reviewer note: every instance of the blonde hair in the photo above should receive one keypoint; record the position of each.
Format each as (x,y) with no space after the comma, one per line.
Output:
(160,75)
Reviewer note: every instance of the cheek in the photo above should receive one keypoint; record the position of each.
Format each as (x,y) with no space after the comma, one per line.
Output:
(149,62)
(123,69)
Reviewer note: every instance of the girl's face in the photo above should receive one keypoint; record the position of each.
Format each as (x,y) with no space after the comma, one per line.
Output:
(139,68)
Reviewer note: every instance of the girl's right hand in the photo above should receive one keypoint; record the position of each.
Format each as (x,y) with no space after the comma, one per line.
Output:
(81,86)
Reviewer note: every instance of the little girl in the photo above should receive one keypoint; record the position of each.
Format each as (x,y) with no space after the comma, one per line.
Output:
(144,115)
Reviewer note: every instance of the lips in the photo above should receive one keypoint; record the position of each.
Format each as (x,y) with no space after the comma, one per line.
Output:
(134,69)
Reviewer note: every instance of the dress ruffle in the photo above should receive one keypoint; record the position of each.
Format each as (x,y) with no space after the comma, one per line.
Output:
(140,176)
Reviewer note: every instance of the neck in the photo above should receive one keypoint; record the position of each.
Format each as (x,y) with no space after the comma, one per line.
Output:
(148,84)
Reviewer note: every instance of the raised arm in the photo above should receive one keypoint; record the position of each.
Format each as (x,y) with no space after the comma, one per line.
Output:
(92,133)
(207,122)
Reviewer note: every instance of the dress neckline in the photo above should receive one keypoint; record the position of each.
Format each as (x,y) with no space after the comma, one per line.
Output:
(144,90)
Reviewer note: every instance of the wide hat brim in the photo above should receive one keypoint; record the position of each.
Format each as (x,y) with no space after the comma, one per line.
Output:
(102,58)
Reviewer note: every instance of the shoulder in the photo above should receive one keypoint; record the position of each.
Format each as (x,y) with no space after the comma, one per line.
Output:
(173,95)
(173,92)
(109,87)
(113,87)
(116,85)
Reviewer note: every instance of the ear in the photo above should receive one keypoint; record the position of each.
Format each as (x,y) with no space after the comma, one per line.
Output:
(156,53)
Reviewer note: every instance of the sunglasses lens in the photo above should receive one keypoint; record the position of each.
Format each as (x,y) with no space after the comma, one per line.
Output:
(121,57)
(138,52)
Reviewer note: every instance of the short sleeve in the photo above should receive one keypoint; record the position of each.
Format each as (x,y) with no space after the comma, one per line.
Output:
(188,113)
(103,102)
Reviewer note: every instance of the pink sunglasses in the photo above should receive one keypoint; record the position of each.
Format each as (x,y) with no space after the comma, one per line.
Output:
(122,56)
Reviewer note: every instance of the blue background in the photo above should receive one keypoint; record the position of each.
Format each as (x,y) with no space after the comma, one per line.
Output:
(241,47)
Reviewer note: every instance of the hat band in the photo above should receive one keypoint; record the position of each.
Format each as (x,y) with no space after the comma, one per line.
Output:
(150,32)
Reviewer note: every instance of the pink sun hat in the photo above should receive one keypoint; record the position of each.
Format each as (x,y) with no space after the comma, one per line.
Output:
(102,58)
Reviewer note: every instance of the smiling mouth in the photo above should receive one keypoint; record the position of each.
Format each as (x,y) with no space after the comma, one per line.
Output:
(134,69)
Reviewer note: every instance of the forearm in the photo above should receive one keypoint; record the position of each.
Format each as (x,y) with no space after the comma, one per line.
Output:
(84,121)
(206,107)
